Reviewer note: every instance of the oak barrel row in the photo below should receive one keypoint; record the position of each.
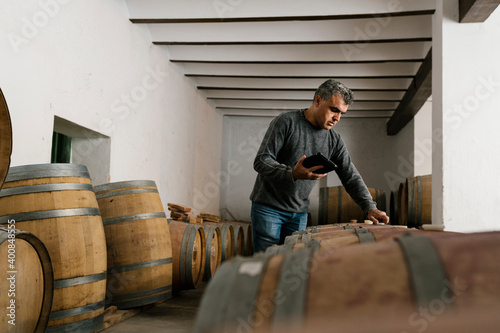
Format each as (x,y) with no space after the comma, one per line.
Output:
(336,206)
(331,279)
(411,203)
(108,245)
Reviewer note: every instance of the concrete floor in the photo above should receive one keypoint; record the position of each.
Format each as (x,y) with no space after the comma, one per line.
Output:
(175,315)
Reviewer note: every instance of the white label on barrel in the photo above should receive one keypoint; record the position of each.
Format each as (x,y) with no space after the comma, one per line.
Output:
(251,268)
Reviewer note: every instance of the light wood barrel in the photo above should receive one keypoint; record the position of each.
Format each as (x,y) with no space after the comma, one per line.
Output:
(188,253)
(238,239)
(56,203)
(26,271)
(227,239)
(419,200)
(337,238)
(213,250)
(444,274)
(5,138)
(138,243)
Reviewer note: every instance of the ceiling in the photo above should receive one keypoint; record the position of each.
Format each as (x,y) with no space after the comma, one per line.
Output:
(261,57)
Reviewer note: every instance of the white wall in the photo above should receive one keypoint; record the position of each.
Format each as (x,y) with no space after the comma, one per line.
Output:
(423,140)
(466,100)
(241,140)
(85,62)
(382,160)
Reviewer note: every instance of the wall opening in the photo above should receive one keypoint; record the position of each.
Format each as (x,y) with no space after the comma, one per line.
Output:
(84,146)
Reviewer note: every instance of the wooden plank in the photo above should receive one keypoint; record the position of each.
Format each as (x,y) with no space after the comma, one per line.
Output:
(417,94)
(476,11)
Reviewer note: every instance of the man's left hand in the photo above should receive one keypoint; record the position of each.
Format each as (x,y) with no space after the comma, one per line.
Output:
(377,216)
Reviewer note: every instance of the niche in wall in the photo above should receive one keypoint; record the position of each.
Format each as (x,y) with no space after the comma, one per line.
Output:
(88,147)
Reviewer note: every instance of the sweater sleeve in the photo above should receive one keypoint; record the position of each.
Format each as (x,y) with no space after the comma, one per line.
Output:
(351,179)
(266,162)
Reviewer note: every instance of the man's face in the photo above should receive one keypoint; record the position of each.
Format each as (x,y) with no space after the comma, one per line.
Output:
(328,112)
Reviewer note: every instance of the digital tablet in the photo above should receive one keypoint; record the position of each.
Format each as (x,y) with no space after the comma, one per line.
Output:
(319,159)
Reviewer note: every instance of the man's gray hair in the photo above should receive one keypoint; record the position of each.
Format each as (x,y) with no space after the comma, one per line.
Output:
(331,87)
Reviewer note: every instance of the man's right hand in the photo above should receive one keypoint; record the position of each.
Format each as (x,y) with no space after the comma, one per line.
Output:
(301,172)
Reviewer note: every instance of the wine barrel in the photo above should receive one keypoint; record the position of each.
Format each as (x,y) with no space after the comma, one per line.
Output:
(336,238)
(336,206)
(290,292)
(238,239)
(227,239)
(56,203)
(138,243)
(402,204)
(393,209)
(5,138)
(27,270)
(419,200)
(188,252)
(213,250)
(247,236)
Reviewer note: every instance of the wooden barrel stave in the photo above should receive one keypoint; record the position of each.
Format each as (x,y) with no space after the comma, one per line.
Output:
(188,253)
(56,203)
(213,250)
(336,206)
(138,243)
(34,281)
(371,276)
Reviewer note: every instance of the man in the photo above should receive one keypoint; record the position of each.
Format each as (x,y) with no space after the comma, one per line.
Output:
(280,197)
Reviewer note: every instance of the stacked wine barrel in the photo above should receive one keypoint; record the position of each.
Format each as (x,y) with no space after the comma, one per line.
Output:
(336,206)
(333,278)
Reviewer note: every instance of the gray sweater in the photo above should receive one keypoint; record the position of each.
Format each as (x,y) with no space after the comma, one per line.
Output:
(290,136)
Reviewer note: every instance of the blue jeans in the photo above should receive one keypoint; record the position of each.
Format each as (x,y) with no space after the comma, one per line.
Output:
(271,226)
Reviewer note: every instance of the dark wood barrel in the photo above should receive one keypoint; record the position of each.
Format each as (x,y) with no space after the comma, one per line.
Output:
(393,207)
(26,269)
(213,250)
(419,200)
(445,274)
(188,252)
(402,204)
(138,243)
(5,138)
(336,205)
(56,203)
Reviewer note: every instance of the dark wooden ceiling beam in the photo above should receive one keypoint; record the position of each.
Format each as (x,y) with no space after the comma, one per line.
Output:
(279,62)
(305,42)
(280,18)
(476,11)
(417,94)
